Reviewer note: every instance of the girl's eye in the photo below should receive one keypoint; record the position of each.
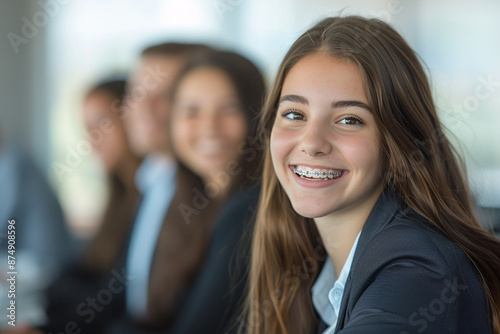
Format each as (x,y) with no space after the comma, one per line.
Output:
(351,121)
(294,115)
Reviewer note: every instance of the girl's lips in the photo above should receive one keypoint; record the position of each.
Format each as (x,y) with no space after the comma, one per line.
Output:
(316,183)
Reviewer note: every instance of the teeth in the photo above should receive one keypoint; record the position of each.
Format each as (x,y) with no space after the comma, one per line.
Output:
(316,173)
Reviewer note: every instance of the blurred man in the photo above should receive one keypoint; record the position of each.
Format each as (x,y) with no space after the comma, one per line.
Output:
(148,103)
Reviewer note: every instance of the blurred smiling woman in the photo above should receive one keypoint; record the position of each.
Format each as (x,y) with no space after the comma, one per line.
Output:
(365,223)
(212,133)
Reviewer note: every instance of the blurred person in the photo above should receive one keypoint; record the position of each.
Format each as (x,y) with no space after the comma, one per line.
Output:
(34,228)
(148,102)
(197,277)
(120,165)
(101,114)
(213,134)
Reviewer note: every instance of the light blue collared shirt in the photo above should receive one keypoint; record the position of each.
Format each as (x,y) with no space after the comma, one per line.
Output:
(155,179)
(328,290)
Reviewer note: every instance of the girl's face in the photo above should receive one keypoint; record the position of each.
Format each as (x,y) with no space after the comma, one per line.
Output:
(324,142)
(104,125)
(208,123)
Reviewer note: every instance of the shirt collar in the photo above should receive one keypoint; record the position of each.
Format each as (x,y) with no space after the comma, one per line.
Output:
(151,169)
(327,282)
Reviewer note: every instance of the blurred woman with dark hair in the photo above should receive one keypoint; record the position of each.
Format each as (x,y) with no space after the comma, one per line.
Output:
(102,105)
(213,135)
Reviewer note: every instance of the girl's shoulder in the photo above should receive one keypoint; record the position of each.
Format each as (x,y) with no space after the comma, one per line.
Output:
(410,248)
(404,268)
(410,237)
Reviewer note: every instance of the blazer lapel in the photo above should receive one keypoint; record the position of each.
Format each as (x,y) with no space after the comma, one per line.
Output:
(381,215)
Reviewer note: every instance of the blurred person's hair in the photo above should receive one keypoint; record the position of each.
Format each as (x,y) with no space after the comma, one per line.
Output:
(174,49)
(115,87)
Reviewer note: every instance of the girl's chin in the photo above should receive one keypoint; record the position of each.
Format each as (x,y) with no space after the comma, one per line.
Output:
(306,211)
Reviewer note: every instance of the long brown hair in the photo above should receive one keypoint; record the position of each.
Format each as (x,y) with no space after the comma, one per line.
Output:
(183,242)
(419,163)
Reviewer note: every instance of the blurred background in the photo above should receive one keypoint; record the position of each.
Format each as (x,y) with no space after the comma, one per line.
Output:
(53,50)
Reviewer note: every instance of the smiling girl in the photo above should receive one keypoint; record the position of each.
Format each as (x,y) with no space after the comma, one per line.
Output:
(365,223)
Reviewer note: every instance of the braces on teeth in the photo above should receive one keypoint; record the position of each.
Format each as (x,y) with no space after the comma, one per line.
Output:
(315,173)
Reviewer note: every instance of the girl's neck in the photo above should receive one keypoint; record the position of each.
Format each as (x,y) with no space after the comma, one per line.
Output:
(339,230)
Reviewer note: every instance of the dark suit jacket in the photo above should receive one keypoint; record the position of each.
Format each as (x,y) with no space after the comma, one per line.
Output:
(76,298)
(408,277)
(213,300)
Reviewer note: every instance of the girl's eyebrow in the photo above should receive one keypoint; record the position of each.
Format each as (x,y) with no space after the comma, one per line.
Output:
(350,103)
(335,104)
(294,98)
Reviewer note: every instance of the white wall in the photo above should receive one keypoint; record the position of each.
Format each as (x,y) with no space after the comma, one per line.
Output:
(24,106)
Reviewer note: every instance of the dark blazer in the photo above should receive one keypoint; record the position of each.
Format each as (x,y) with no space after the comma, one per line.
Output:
(408,277)
(212,303)
(76,298)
